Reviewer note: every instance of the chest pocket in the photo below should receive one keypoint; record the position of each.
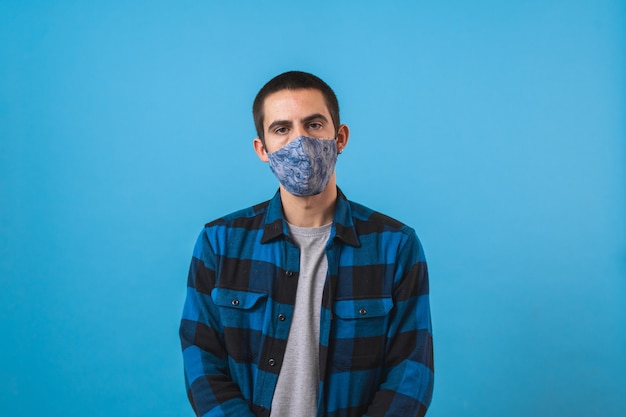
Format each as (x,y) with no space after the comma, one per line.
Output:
(363,309)
(240,309)
(242,316)
(360,332)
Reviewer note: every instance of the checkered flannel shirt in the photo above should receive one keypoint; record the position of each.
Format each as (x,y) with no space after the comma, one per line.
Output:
(376,355)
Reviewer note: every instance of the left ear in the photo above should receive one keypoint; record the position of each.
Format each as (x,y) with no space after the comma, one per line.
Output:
(343,133)
(259,148)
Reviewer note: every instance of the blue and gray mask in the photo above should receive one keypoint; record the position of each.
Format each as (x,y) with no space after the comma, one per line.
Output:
(304,165)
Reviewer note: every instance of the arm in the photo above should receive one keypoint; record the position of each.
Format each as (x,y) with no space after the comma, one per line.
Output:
(408,383)
(210,389)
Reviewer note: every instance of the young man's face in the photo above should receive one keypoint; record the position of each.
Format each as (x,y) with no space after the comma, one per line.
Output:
(293,113)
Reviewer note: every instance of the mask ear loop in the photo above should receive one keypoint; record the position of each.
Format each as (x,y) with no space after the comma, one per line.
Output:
(339,151)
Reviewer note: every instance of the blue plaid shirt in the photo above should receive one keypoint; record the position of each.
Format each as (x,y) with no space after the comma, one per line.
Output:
(376,356)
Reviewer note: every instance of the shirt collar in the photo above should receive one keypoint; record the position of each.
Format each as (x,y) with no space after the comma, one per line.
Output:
(342,228)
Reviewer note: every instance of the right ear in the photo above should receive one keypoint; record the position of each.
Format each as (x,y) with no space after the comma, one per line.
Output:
(259,148)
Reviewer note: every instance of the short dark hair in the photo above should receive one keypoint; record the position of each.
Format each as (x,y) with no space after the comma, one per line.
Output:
(294,80)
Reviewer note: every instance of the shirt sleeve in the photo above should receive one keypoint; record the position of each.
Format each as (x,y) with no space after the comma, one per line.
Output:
(210,388)
(409,372)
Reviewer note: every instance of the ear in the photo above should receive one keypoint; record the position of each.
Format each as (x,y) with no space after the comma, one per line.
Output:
(260,149)
(343,133)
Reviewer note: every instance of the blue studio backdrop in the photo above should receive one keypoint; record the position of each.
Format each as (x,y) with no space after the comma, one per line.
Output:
(496,129)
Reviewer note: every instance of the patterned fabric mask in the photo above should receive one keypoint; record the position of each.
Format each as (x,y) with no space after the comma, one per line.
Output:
(304,165)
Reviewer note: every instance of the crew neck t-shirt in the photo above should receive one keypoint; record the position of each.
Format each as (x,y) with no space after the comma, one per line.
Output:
(297,387)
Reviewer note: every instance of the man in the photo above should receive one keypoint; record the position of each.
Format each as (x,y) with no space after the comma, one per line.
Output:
(307,304)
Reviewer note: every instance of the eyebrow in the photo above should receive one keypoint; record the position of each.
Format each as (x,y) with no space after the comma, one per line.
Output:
(314,117)
(288,123)
(278,123)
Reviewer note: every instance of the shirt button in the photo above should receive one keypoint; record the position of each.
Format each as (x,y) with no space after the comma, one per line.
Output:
(235,302)
(271,362)
(289,273)
(362,311)
(282,317)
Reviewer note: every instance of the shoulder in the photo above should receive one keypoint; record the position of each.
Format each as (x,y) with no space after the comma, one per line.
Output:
(368,220)
(374,226)
(238,226)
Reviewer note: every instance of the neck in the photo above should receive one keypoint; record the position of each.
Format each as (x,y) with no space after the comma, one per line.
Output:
(313,211)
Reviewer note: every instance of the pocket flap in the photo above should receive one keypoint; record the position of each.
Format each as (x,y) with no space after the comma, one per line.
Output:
(225,297)
(360,309)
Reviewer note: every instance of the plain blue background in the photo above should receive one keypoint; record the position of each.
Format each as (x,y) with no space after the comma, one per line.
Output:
(496,129)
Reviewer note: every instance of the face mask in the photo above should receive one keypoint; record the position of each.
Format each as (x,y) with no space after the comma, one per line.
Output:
(304,165)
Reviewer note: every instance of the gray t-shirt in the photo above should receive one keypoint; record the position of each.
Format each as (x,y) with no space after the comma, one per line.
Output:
(298,381)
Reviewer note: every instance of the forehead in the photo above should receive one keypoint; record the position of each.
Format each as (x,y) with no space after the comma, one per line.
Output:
(294,104)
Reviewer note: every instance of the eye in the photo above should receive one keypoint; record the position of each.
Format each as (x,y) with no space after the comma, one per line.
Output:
(280,130)
(315,125)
